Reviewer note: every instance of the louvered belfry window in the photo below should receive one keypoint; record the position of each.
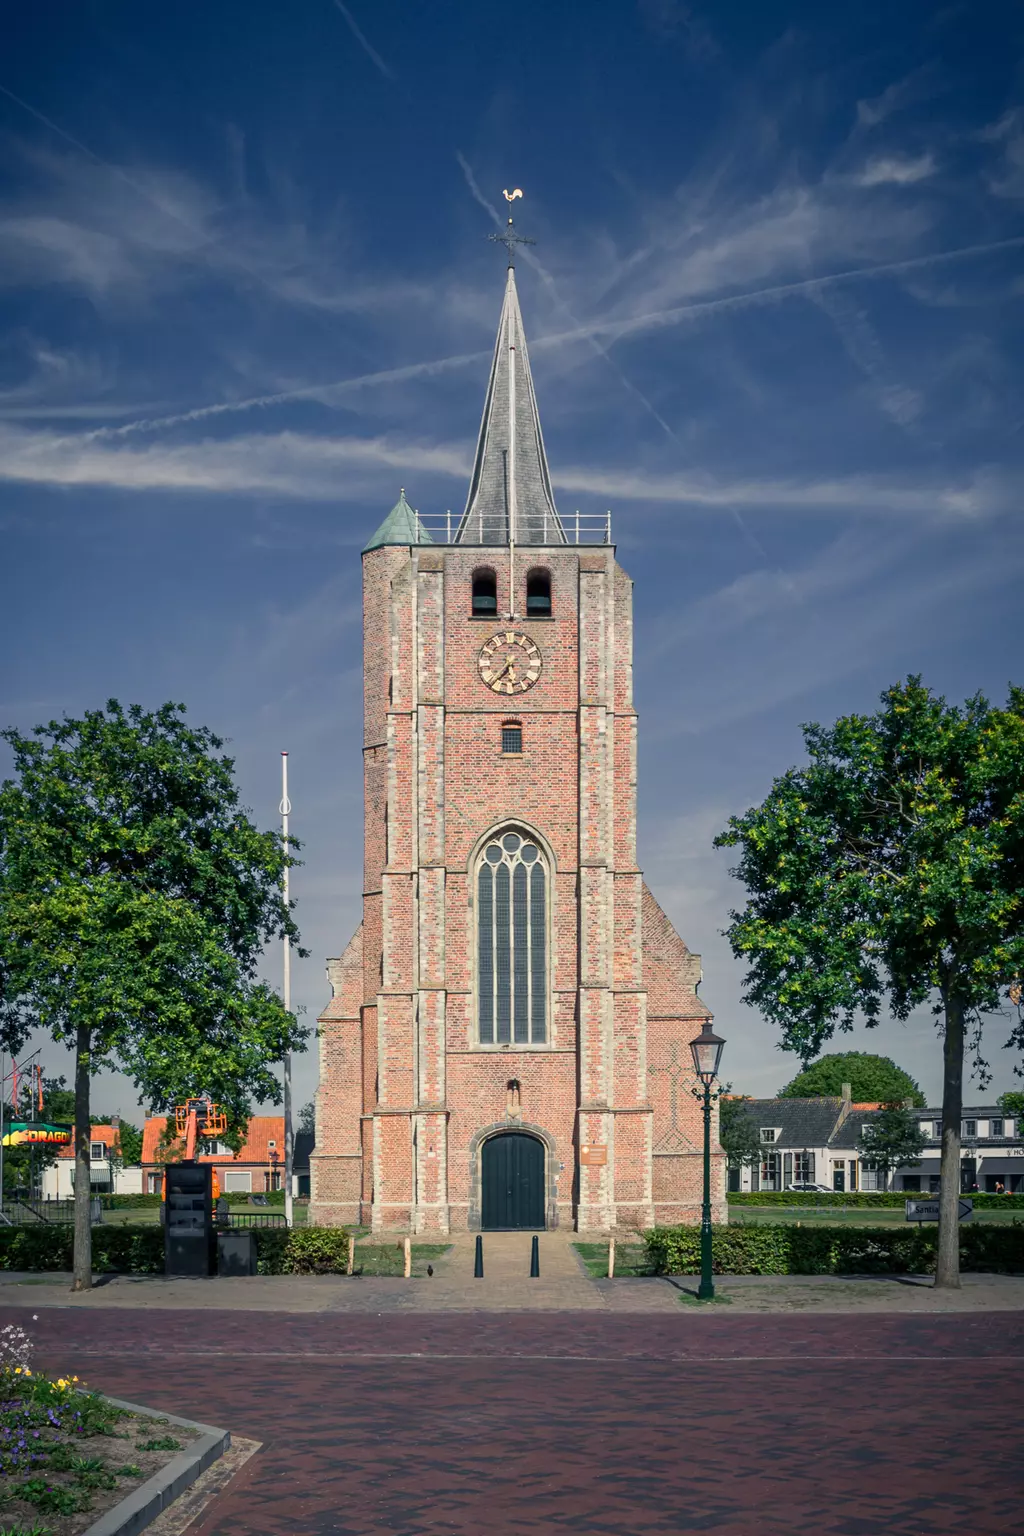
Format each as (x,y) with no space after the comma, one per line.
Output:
(512,942)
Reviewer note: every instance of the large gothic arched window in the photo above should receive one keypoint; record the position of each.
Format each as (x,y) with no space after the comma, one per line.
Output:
(512,928)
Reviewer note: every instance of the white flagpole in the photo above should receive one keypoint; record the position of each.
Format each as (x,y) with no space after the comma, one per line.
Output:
(286,807)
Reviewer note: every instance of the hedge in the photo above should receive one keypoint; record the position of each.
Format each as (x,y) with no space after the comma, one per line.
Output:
(781,1250)
(890,1199)
(129,1250)
(149,1202)
(140,1250)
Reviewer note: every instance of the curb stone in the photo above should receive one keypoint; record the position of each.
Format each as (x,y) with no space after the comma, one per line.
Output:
(141,1507)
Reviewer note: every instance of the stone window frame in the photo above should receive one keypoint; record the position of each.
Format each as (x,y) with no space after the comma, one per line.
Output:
(525,830)
(551,1168)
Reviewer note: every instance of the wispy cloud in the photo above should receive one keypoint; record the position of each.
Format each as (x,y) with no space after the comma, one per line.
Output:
(896,170)
(362,40)
(308,467)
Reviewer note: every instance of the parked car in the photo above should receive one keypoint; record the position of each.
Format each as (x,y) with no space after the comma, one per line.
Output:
(810,1189)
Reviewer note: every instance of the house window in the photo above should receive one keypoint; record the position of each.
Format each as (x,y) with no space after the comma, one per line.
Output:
(538,595)
(995,1127)
(912,1183)
(153,1183)
(970,1127)
(512,967)
(937,1128)
(97,1151)
(871,1178)
(512,738)
(485,595)
(803,1168)
(767,1133)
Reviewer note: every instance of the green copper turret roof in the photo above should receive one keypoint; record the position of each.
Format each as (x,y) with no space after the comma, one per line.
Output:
(401,526)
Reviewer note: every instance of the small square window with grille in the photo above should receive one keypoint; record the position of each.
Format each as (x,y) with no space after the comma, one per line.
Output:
(512,738)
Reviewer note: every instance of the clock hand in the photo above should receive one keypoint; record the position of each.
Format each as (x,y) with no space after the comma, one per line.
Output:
(508,663)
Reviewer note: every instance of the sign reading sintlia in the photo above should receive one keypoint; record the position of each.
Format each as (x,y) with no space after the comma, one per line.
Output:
(29,1133)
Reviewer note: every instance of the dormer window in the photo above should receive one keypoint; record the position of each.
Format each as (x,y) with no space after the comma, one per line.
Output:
(538,595)
(485,595)
(769,1132)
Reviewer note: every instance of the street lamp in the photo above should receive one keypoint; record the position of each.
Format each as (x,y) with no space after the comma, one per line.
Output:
(707,1054)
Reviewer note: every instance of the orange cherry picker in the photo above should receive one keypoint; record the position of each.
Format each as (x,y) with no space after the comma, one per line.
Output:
(194,1119)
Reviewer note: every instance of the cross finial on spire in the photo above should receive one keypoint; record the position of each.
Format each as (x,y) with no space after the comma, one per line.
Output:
(509,237)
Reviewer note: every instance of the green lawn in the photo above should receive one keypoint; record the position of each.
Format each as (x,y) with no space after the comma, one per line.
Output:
(857,1216)
(388,1258)
(630,1259)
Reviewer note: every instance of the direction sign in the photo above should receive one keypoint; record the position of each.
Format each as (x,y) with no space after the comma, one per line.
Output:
(928,1210)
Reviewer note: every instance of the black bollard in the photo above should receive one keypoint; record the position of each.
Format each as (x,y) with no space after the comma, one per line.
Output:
(478,1264)
(535,1259)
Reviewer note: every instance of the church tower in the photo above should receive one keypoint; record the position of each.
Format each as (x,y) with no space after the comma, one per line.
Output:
(507,1040)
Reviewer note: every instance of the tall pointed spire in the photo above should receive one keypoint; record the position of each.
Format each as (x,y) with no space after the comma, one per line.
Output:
(510,498)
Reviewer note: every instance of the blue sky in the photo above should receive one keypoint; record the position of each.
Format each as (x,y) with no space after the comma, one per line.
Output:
(774,313)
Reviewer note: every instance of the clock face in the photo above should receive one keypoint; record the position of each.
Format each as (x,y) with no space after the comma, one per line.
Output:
(510,662)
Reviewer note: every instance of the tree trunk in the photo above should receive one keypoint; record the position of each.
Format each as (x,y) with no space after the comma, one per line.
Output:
(947,1269)
(83,1162)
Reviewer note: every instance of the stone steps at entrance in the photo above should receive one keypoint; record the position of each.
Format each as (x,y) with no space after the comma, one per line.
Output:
(506,1280)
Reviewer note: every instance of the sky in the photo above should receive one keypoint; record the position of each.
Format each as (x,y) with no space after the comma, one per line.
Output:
(775,322)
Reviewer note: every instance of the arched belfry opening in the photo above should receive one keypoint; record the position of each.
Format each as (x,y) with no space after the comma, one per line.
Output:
(485,594)
(538,594)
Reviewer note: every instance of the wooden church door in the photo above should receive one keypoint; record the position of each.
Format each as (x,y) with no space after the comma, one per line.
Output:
(512,1182)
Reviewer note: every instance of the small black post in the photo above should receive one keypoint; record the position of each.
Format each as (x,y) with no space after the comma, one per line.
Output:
(478,1265)
(535,1259)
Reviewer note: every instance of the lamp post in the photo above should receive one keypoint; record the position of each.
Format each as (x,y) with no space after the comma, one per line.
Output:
(707,1054)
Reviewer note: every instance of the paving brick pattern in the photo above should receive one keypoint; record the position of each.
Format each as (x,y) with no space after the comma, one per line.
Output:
(583,1422)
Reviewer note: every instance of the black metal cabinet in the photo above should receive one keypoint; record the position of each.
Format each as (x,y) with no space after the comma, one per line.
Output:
(189,1236)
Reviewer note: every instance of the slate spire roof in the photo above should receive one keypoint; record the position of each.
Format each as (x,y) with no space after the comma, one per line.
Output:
(510,495)
(401,526)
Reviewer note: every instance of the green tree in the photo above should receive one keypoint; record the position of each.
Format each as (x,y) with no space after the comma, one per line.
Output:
(872,1079)
(307,1118)
(1013,1104)
(892,1138)
(128,1147)
(136,897)
(737,1132)
(891,868)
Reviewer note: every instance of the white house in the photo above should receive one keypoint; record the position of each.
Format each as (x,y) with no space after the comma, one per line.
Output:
(819,1141)
(58,1180)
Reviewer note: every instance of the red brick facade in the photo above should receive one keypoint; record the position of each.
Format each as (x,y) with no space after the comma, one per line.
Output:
(407,1093)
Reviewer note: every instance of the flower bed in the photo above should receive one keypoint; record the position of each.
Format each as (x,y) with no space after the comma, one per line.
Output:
(66,1454)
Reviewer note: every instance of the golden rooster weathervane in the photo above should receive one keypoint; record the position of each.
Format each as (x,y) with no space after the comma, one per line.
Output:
(508,236)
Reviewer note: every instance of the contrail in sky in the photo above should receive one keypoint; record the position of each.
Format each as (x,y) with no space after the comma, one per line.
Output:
(368,49)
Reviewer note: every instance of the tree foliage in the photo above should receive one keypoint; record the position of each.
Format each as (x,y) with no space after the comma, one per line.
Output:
(136,897)
(307,1118)
(872,1079)
(892,1138)
(739,1136)
(890,870)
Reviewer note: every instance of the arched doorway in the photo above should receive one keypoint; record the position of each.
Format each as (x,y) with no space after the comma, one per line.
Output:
(512,1182)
